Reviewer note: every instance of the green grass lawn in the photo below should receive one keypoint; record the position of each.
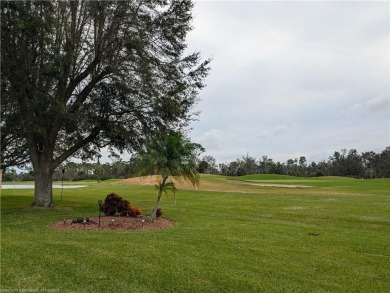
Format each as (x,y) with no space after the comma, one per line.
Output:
(332,237)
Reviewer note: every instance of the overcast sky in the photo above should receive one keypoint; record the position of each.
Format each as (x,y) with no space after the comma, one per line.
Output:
(292,79)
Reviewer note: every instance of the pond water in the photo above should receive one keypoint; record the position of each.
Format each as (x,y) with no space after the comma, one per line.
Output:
(31,186)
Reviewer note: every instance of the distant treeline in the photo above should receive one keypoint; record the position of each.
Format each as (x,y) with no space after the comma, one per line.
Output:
(344,163)
(341,163)
(71,171)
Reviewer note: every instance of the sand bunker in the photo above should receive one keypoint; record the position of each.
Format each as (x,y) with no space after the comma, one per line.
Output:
(272,184)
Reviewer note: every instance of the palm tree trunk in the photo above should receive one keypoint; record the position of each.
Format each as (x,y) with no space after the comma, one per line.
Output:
(154,212)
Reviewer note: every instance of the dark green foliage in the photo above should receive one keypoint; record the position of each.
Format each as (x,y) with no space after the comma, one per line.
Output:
(345,163)
(207,165)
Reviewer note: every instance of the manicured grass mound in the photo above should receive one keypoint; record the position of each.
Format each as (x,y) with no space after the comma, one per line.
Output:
(333,237)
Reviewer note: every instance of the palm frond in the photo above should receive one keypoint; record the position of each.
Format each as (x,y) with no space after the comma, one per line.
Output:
(170,154)
(165,187)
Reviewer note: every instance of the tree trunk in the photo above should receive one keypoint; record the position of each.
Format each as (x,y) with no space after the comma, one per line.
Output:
(154,212)
(43,195)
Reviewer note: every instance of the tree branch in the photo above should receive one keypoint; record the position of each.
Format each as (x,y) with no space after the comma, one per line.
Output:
(70,151)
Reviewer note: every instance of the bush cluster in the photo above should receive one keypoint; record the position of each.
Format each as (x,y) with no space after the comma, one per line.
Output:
(116,205)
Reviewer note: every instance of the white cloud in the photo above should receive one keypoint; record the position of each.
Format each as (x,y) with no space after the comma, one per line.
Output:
(280,129)
(211,140)
(353,111)
(379,103)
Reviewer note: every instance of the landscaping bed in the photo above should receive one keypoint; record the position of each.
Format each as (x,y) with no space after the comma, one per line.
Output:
(114,223)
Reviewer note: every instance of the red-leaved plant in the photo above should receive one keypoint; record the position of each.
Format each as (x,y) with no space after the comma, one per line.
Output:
(158,213)
(114,204)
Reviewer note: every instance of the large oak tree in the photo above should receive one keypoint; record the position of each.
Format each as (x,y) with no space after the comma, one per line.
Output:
(82,75)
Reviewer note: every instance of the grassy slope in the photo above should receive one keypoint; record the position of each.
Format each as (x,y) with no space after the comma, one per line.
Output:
(333,237)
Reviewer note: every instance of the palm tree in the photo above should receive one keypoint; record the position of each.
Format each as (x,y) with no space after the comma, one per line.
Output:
(169,154)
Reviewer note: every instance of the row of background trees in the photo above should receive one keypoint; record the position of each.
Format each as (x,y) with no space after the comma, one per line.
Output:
(344,163)
(341,163)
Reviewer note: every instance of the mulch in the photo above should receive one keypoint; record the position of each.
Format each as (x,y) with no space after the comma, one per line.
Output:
(114,224)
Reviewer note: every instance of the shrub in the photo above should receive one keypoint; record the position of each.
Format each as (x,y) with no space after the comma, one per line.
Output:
(114,204)
(133,212)
(123,208)
(111,204)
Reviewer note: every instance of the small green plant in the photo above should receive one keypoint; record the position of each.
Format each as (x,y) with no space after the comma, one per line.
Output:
(114,204)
